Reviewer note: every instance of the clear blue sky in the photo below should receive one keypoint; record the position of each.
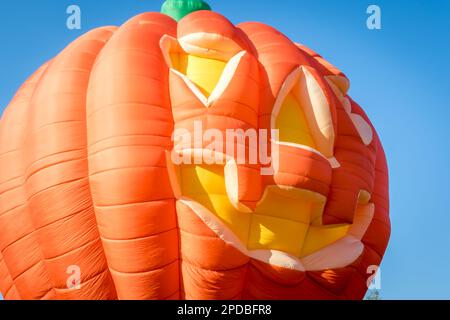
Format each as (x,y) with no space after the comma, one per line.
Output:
(400,75)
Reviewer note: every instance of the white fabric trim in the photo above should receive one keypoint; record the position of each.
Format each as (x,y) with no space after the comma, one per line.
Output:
(337,255)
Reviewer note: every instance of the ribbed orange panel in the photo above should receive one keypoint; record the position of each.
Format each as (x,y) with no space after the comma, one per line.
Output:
(57,168)
(357,171)
(205,272)
(279,57)
(6,283)
(129,125)
(377,236)
(19,243)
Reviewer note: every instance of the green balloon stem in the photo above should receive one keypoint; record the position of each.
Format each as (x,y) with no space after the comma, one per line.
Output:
(178,9)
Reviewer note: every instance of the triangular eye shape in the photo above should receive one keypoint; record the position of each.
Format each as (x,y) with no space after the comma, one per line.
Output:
(206,77)
(205,73)
(302,114)
(292,123)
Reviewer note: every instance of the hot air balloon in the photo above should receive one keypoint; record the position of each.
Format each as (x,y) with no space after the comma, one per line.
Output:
(94,205)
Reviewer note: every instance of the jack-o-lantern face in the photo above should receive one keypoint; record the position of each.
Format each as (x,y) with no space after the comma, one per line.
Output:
(89,148)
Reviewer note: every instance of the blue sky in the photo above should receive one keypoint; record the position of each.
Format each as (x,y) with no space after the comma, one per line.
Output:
(400,75)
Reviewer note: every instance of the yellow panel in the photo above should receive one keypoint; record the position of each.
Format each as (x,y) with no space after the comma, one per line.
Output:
(317,213)
(202,179)
(238,222)
(292,123)
(321,237)
(205,73)
(283,204)
(206,185)
(277,234)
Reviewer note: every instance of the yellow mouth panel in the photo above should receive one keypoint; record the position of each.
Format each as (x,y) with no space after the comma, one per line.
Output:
(285,220)
(206,185)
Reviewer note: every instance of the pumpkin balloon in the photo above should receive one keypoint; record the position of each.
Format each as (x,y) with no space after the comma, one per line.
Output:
(94,205)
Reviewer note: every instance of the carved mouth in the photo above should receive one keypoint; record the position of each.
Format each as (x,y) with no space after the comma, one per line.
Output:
(286,227)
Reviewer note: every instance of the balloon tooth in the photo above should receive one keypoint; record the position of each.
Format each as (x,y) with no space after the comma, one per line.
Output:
(363,218)
(364,197)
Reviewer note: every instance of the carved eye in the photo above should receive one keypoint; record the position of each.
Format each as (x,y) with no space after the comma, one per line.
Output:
(302,114)
(292,123)
(205,73)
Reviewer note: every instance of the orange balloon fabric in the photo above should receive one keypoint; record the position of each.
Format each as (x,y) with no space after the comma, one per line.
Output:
(85,180)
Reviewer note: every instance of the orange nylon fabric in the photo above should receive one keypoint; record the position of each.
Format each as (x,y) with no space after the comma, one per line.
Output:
(84,179)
